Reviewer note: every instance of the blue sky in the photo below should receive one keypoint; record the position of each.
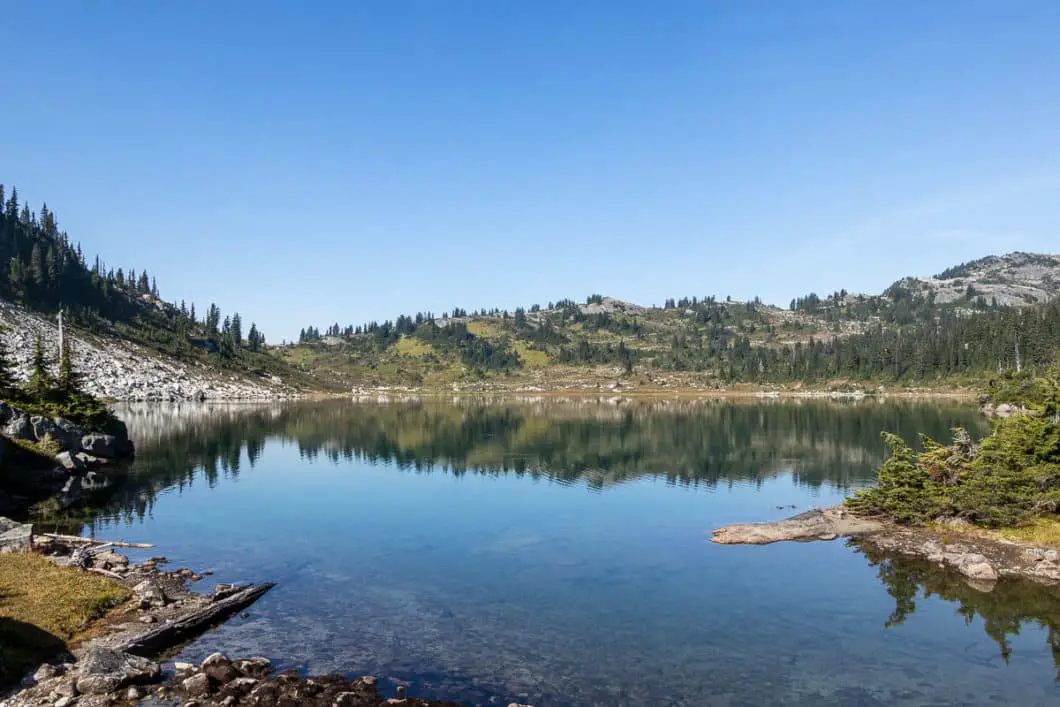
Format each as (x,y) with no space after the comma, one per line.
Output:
(343,161)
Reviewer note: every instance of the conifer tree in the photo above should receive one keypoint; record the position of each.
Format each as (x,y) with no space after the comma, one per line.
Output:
(69,377)
(36,266)
(40,384)
(237,330)
(8,384)
(12,204)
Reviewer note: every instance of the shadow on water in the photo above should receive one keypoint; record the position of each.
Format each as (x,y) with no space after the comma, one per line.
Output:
(1004,608)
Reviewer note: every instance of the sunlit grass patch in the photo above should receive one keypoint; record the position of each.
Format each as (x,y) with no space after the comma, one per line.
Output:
(43,607)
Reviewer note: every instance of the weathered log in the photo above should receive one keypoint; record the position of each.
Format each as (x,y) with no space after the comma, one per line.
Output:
(157,640)
(105,573)
(93,541)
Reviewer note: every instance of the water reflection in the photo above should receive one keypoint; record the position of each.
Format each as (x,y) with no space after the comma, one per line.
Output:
(1003,608)
(595,443)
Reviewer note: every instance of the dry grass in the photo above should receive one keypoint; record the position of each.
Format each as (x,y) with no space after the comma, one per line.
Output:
(44,607)
(485,329)
(532,358)
(412,347)
(1042,531)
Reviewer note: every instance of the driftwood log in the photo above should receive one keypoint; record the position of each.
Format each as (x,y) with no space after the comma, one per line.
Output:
(160,639)
(93,541)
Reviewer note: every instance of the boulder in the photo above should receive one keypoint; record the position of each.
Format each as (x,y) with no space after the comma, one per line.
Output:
(69,462)
(1006,410)
(63,432)
(15,537)
(256,667)
(976,566)
(100,445)
(19,427)
(103,670)
(197,685)
(219,668)
(150,594)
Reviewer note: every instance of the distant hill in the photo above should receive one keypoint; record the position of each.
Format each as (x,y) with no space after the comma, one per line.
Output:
(971,320)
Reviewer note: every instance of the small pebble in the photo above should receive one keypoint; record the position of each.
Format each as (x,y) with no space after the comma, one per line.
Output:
(245,615)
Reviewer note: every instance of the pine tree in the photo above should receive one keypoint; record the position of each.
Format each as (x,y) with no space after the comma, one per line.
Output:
(8,384)
(51,267)
(12,203)
(36,266)
(40,384)
(236,329)
(16,274)
(69,377)
(253,337)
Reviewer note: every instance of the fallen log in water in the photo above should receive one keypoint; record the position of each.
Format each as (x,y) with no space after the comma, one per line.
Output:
(93,541)
(157,640)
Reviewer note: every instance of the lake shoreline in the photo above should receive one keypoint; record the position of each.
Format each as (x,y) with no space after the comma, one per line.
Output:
(979,556)
(120,658)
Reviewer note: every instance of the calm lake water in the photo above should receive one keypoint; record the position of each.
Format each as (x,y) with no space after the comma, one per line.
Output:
(556,553)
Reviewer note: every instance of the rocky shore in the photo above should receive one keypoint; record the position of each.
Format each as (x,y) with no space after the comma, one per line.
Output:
(120,665)
(980,558)
(83,460)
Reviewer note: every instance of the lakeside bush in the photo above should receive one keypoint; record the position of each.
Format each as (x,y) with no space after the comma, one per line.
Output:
(1010,477)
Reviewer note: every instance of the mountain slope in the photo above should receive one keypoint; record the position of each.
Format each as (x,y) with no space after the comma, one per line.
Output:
(128,342)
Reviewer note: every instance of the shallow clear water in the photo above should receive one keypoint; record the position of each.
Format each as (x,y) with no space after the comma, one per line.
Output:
(557,554)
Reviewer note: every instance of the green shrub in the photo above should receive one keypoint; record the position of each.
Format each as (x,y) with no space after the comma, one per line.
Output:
(1011,477)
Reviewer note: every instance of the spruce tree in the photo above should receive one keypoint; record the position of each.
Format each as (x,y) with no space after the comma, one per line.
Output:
(69,378)
(36,266)
(40,384)
(236,328)
(8,384)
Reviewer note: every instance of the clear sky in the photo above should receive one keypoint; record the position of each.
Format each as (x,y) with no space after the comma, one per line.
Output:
(312,162)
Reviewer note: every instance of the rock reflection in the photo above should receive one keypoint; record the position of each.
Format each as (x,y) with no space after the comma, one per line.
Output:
(1004,607)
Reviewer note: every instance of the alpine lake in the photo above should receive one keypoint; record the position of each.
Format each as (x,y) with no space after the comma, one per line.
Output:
(555,552)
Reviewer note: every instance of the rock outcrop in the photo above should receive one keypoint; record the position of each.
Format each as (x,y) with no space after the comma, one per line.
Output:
(827,524)
(981,559)
(15,537)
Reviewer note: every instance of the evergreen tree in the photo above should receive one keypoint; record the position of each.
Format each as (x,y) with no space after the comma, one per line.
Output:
(36,266)
(236,329)
(12,204)
(8,384)
(40,384)
(69,383)
(253,337)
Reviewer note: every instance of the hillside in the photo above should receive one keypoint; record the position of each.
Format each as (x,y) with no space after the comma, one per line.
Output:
(999,313)
(128,343)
